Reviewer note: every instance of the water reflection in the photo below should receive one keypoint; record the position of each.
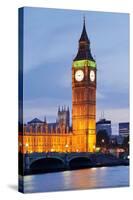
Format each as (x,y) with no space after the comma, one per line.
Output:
(78,179)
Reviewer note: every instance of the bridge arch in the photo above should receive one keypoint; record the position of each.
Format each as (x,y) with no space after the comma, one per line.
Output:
(80,162)
(48,164)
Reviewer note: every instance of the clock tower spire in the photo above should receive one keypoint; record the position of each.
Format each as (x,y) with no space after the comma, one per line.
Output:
(84,96)
(84,51)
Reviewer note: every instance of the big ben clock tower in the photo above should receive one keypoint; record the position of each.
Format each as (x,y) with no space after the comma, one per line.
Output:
(84,97)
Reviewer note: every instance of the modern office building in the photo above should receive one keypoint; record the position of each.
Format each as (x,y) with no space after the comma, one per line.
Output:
(124,129)
(104,124)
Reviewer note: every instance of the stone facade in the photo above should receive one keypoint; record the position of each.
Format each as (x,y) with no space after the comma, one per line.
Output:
(40,136)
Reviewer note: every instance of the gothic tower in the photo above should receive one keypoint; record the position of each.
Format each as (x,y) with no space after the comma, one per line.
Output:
(63,117)
(84,96)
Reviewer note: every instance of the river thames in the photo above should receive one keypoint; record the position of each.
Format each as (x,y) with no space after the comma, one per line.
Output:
(102,177)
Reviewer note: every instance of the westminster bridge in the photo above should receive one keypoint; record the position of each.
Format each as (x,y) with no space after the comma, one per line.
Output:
(53,161)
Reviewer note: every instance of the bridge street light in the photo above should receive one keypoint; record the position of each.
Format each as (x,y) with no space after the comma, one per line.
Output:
(66,147)
(27,145)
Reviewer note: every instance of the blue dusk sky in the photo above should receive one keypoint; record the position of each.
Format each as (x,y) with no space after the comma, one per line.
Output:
(50,45)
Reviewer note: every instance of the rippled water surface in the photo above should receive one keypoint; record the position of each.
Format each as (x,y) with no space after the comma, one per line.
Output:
(78,179)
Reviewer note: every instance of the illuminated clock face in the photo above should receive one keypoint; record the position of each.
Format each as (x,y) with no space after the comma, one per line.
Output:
(79,75)
(92,75)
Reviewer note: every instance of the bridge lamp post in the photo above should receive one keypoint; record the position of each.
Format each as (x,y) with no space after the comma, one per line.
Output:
(103,142)
(20,145)
(27,145)
(66,147)
(104,145)
(94,148)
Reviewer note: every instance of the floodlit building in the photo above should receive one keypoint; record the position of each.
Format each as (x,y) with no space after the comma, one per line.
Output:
(40,136)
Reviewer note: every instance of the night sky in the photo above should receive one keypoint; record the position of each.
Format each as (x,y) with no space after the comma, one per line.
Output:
(50,45)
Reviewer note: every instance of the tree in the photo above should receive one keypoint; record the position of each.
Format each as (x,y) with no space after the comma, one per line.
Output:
(102,138)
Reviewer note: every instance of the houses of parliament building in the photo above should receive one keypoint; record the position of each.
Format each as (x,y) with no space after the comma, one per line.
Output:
(80,136)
